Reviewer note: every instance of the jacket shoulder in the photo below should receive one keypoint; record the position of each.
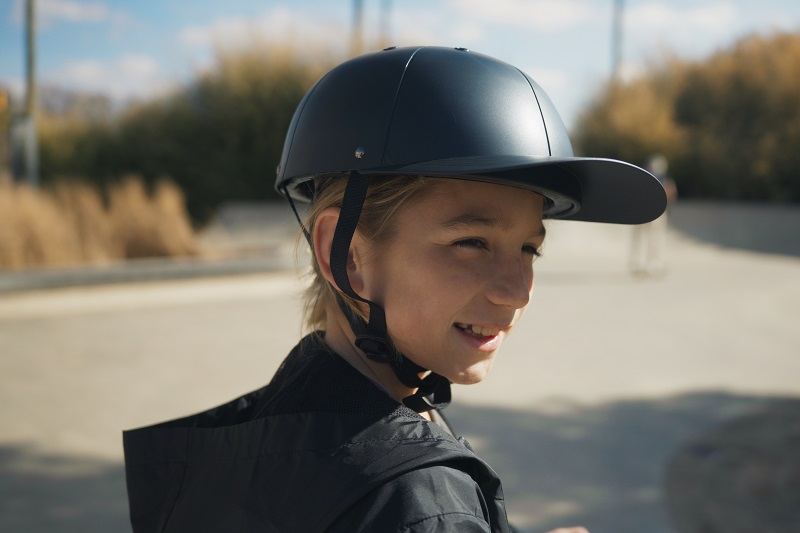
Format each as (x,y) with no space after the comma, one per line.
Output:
(432,498)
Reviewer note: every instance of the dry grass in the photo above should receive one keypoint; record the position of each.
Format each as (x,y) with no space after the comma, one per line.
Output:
(70,224)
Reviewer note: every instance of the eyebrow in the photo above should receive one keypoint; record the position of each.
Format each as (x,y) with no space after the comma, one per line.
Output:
(467,220)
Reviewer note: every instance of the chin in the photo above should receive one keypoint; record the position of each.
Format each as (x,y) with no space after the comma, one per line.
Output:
(467,379)
(472,375)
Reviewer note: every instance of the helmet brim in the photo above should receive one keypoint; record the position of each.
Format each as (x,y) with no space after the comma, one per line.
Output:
(586,189)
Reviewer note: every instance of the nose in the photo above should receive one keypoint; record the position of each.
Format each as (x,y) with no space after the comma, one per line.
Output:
(511,284)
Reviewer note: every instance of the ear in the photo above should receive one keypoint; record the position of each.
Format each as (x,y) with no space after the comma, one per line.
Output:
(324,229)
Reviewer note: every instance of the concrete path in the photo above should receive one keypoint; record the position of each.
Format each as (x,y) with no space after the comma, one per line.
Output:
(606,376)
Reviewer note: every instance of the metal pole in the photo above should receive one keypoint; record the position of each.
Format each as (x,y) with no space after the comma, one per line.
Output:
(31,141)
(616,40)
(358,16)
(386,8)
(5,134)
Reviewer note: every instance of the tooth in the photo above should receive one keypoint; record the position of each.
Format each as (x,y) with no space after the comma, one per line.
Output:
(484,331)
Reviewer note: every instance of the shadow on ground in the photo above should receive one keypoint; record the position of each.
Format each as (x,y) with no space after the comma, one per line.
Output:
(601,466)
(42,493)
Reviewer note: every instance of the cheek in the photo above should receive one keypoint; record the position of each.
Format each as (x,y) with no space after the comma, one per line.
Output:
(428,286)
(423,297)
(440,286)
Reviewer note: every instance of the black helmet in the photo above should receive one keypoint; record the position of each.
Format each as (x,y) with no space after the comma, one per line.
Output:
(454,113)
(451,113)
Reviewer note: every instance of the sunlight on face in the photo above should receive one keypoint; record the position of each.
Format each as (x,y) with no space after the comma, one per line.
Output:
(458,274)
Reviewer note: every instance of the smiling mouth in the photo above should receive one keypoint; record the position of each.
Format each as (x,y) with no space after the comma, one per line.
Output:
(477,331)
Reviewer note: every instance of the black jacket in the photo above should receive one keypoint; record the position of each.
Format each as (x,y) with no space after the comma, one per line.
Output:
(320,448)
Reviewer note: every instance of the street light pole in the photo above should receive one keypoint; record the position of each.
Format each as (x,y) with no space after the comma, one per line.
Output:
(358,16)
(31,150)
(616,40)
(386,14)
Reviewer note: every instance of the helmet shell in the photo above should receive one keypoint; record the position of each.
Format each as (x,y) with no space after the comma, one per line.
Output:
(455,113)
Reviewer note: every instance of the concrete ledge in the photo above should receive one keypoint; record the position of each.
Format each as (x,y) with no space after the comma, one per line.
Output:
(759,227)
(140,270)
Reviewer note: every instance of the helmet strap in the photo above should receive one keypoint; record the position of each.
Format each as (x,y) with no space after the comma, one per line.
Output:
(372,337)
(352,203)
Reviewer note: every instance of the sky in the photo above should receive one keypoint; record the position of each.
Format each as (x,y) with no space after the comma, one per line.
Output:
(138,49)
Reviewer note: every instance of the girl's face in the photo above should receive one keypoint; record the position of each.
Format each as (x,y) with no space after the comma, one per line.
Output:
(457,274)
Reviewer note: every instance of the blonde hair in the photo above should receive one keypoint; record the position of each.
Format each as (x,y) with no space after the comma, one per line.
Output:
(386,197)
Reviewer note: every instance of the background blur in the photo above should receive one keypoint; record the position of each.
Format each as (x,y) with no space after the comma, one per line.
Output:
(147,269)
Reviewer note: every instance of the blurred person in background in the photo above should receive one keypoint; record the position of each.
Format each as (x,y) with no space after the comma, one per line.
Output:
(649,241)
(429,172)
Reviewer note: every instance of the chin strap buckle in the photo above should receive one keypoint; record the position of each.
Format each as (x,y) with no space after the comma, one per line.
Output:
(374,347)
(434,393)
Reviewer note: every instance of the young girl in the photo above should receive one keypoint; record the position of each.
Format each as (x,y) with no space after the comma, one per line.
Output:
(429,172)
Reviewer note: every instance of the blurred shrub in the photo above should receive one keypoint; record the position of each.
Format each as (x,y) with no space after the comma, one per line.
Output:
(634,120)
(728,125)
(741,112)
(148,225)
(69,223)
(219,138)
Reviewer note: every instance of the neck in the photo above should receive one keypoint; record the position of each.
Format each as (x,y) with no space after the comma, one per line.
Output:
(341,339)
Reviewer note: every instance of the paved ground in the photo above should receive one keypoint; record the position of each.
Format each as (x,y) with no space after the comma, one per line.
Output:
(605,378)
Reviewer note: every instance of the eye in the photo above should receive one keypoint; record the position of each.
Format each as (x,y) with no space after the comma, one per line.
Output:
(470,243)
(532,250)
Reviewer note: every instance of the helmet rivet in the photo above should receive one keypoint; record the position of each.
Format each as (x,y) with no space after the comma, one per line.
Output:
(360,152)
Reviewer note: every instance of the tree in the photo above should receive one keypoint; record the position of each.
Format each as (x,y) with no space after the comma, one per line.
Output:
(219,138)
(741,112)
(729,124)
